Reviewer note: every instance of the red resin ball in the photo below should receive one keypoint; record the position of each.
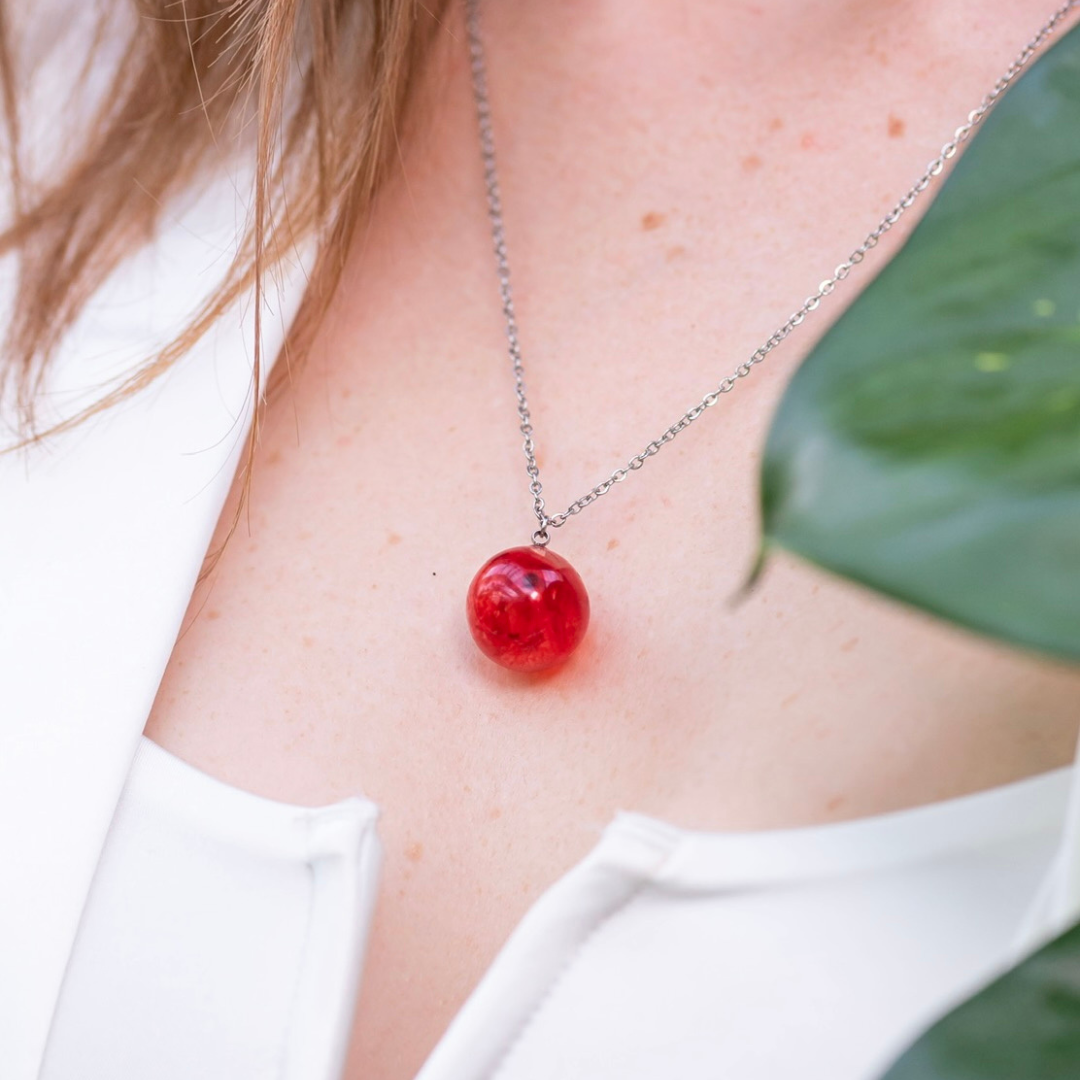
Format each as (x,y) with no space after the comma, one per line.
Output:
(527,609)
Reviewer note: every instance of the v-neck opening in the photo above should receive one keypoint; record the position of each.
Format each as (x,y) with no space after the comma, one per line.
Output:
(634,852)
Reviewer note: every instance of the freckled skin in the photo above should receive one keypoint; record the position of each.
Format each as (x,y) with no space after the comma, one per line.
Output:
(682,702)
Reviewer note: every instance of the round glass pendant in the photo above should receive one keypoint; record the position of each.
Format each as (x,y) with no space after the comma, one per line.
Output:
(527,609)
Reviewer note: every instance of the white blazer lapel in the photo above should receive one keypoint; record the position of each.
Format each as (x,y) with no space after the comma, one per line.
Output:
(102,535)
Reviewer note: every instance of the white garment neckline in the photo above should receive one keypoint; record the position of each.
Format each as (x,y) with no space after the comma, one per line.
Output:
(638,864)
(693,858)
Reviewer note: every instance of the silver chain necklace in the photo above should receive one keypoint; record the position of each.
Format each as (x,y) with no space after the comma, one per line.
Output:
(514,601)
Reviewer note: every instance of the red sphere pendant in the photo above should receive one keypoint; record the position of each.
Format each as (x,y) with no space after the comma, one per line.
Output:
(527,609)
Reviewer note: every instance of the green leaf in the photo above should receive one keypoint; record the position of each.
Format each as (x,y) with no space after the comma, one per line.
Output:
(1025,1026)
(930,445)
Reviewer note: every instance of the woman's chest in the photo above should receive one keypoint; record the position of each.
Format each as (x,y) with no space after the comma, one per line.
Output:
(328,649)
(330,656)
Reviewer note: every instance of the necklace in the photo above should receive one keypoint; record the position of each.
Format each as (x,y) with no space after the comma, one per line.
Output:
(527,607)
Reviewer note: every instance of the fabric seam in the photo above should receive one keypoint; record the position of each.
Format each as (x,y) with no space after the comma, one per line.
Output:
(529,1021)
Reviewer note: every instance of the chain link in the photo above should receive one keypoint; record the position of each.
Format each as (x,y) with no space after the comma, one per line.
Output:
(726,385)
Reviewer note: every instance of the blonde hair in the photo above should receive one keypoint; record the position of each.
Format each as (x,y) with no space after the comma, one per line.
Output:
(313,90)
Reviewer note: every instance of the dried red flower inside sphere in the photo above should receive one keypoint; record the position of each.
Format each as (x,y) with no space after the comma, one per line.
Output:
(528,609)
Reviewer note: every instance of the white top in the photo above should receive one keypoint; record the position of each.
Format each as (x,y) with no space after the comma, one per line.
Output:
(224,934)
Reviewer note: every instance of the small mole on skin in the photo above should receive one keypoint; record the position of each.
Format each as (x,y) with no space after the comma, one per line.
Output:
(274,458)
(751,163)
(307,641)
(346,393)
(495,813)
(897,127)
(849,645)
(808,141)
(776,123)
(612,544)
(835,803)
(652,220)
(215,614)
(415,851)
(393,539)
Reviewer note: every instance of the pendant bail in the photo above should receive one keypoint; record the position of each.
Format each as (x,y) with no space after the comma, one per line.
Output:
(540,537)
